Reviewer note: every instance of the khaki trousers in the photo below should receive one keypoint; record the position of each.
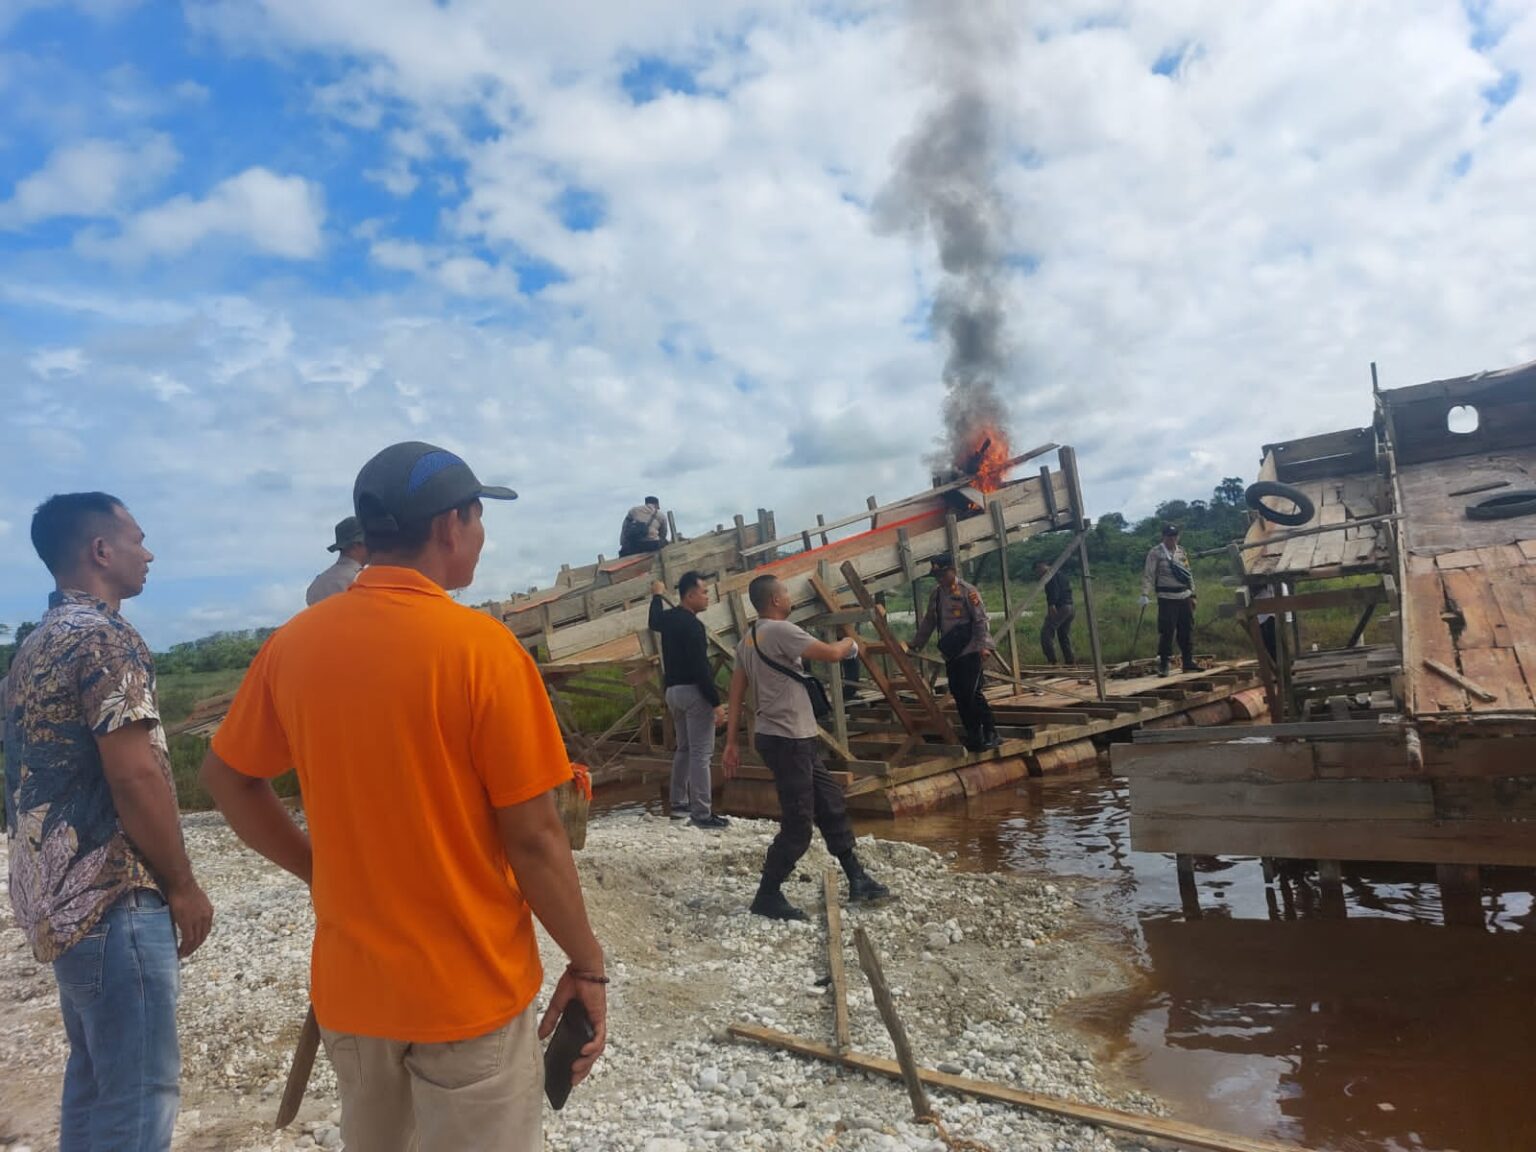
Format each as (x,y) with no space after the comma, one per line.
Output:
(478,1095)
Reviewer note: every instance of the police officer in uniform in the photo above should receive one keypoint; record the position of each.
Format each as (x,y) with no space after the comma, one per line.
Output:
(956,612)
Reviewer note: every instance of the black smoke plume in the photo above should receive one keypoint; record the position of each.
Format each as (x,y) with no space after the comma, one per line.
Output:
(946,184)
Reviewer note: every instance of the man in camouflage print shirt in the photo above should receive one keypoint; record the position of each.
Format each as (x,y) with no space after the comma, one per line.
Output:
(99,877)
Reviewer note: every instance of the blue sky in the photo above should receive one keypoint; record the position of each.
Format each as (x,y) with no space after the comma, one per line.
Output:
(606,249)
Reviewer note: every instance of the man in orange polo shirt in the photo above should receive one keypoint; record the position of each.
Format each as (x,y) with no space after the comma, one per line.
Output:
(426,750)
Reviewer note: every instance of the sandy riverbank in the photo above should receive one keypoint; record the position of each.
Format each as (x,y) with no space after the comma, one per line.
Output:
(979,963)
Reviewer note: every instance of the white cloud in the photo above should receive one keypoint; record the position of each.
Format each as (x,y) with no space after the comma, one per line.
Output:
(48,362)
(276,215)
(397,178)
(1213,259)
(90,178)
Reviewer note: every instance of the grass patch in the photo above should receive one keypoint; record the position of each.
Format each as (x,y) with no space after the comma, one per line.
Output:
(179,691)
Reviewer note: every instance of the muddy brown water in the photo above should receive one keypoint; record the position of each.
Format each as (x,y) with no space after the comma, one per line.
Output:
(1386,1030)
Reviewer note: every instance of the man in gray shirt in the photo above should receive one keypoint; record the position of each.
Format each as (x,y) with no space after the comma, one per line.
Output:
(786,740)
(644,528)
(353,554)
(1167,575)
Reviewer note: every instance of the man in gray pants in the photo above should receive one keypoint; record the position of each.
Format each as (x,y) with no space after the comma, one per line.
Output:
(692,697)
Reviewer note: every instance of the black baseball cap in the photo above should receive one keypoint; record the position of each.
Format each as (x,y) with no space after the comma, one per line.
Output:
(942,561)
(1170,529)
(348,531)
(412,482)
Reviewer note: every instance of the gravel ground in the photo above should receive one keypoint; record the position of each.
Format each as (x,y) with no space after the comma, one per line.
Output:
(978,964)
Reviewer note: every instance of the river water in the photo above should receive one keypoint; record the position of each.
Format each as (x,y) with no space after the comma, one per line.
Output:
(1385,1030)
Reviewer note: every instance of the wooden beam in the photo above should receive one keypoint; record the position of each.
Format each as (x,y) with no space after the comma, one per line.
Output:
(897,651)
(1316,730)
(1279,606)
(1000,526)
(1278,537)
(1080,525)
(1155,1127)
(872,512)
(1457,678)
(869,960)
(842,1034)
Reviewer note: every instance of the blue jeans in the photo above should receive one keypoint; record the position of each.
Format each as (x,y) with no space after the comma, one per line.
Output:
(117,990)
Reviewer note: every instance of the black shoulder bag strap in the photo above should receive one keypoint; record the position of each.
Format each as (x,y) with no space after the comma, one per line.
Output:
(821,702)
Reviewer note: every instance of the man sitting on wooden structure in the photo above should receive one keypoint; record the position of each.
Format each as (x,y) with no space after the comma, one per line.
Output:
(955,610)
(1167,574)
(770,657)
(644,528)
(692,696)
(1059,614)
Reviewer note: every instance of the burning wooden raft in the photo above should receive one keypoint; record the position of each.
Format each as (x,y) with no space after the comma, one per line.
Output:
(893,739)
(1421,746)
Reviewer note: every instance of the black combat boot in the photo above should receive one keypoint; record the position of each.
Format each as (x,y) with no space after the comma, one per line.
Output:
(770,902)
(862,887)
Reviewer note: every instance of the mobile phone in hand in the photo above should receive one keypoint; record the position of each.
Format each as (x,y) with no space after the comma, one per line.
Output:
(571,1035)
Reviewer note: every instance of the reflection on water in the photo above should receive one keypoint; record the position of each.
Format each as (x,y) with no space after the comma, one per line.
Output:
(1383,1031)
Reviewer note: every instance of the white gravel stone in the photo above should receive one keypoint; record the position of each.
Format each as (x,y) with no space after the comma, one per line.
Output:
(959,949)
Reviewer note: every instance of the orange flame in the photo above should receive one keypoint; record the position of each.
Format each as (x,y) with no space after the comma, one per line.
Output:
(988,458)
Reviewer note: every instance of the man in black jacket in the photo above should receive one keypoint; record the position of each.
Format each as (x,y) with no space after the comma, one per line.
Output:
(692,696)
(1059,614)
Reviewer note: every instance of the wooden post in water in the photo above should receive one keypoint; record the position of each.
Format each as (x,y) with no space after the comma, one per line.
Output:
(1068,458)
(1189,892)
(1461,894)
(1330,875)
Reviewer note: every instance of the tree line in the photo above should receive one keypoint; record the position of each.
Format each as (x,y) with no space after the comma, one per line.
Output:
(214,653)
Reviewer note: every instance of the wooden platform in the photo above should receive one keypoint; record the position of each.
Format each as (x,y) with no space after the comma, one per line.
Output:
(1472,589)
(1053,727)
(1422,750)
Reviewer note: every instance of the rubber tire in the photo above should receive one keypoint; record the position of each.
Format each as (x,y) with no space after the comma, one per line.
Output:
(1305,509)
(1504,506)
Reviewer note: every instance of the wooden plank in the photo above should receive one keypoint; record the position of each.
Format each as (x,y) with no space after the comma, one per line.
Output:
(1156,1127)
(1330,546)
(1498,670)
(1489,798)
(1402,841)
(1304,730)
(1000,528)
(1483,623)
(1427,636)
(1466,558)
(897,651)
(1335,598)
(1527,548)
(869,960)
(1457,678)
(836,974)
(1199,763)
(1296,800)
(872,512)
